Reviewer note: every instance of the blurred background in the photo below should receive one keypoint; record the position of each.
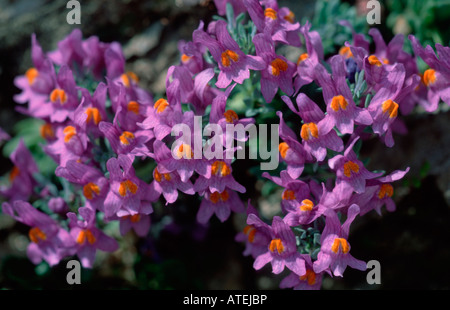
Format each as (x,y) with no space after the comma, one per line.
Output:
(412,244)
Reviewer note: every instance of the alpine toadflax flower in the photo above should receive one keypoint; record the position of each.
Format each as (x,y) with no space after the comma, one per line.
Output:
(335,248)
(234,65)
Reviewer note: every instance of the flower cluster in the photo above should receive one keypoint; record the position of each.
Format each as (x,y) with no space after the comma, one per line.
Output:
(98,123)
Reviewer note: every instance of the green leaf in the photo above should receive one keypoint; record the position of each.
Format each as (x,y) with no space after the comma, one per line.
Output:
(424,169)
(298,230)
(268,188)
(252,112)
(240,18)
(230,16)
(316,238)
(416,182)
(368,99)
(42,269)
(27,129)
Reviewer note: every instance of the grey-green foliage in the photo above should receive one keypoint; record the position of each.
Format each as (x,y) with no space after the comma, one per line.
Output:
(327,16)
(426,19)
(241,29)
(308,240)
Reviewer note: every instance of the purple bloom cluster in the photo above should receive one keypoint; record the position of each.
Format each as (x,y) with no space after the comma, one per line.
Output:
(328,133)
(96,134)
(77,124)
(120,121)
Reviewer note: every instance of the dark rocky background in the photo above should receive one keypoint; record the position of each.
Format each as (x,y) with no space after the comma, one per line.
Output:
(412,244)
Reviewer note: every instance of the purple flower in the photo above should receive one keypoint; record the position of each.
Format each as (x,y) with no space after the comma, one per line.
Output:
(94,184)
(436,78)
(115,61)
(384,105)
(124,142)
(184,87)
(379,192)
(180,80)
(38,81)
(227,118)
(278,23)
(58,205)
(335,248)
(286,29)
(307,61)
(255,238)
(220,204)
(278,72)
(181,160)
(49,241)
(234,65)
(117,76)
(309,281)
(162,117)
(95,56)
(88,237)
(81,54)
(378,70)
(291,151)
(412,96)
(71,143)
(317,202)
(127,193)
(221,177)
(61,101)
(129,112)
(317,131)
(357,58)
(140,223)
(282,250)
(133,91)
(342,110)
(354,53)
(349,169)
(192,56)
(295,191)
(238,6)
(358,39)
(122,91)
(385,54)
(419,95)
(338,197)
(203,94)
(21,175)
(47,131)
(393,52)
(306,209)
(91,110)
(70,50)
(168,184)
